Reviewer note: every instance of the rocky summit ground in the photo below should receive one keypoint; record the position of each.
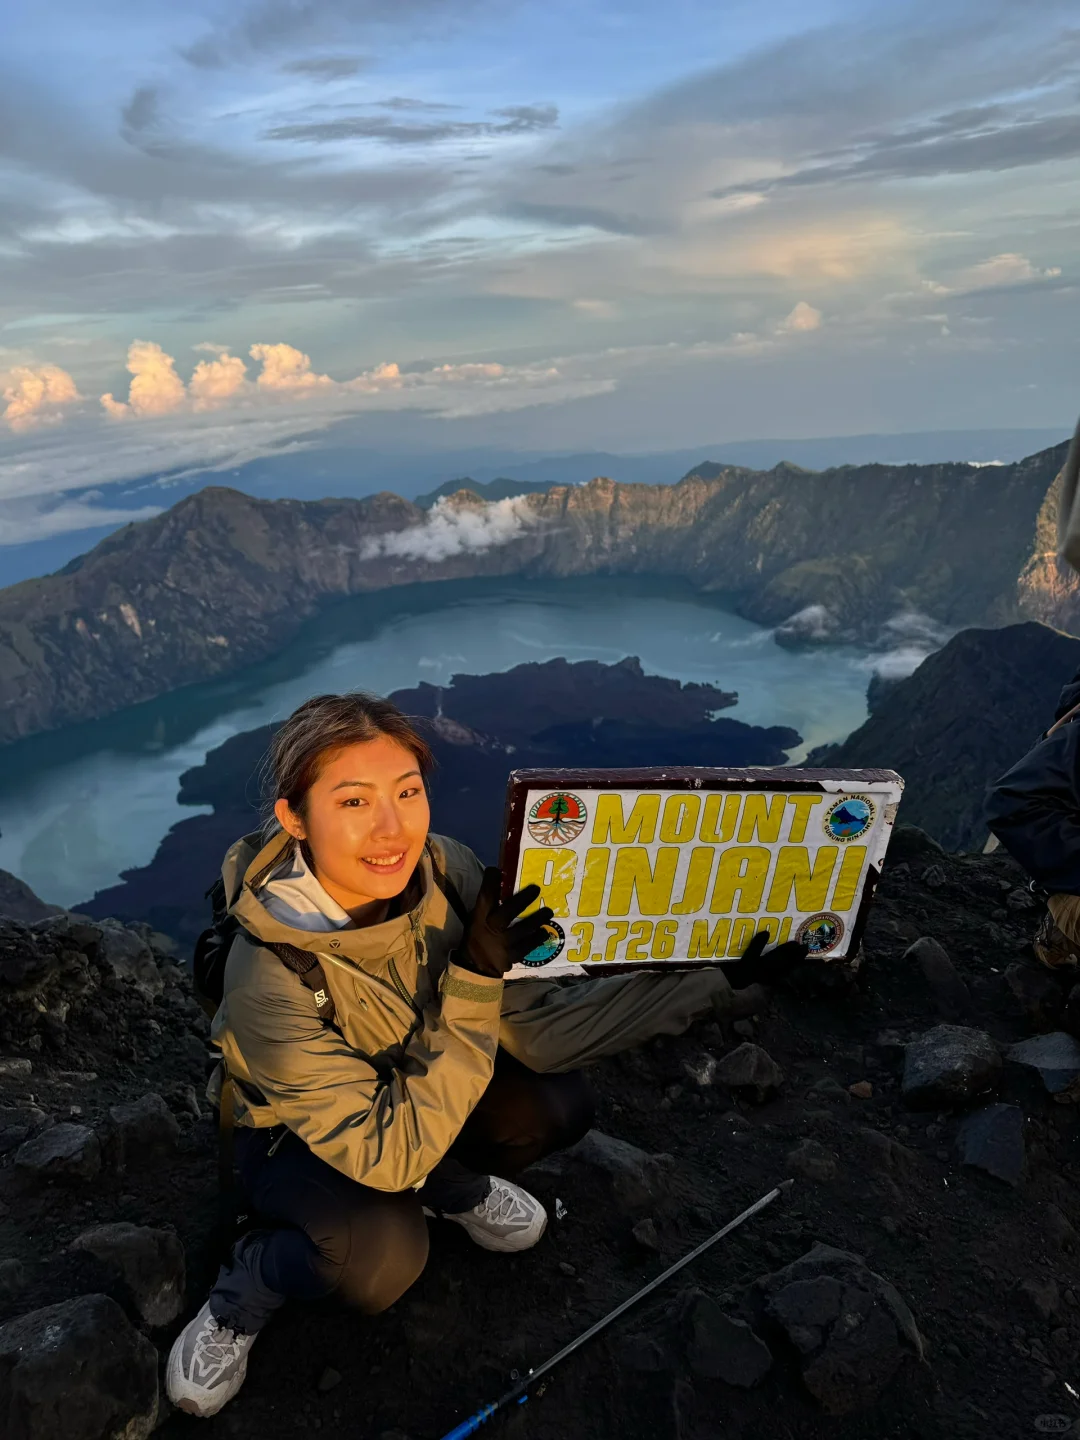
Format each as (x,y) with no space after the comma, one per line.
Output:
(951,1310)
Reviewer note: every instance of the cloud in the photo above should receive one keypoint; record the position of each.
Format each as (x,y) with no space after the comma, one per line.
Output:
(449,530)
(327,67)
(216,382)
(32,520)
(155,387)
(36,395)
(1010,268)
(513,120)
(802,317)
(141,111)
(284,368)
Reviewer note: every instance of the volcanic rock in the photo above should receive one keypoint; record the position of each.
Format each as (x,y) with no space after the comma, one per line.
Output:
(143,1129)
(77,1371)
(129,957)
(951,994)
(949,1065)
(849,1327)
(1056,1059)
(148,1263)
(992,1139)
(811,1160)
(723,1348)
(750,1070)
(66,1152)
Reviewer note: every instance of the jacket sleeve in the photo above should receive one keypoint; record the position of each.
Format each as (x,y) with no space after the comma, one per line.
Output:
(1034,810)
(553,1028)
(385,1127)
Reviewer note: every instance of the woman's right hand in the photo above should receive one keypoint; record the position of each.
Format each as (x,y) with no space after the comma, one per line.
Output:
(495,938)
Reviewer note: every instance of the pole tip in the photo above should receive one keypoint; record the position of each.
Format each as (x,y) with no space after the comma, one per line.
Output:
(785,1185)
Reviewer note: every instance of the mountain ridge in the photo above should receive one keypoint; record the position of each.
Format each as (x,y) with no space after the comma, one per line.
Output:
(223,579)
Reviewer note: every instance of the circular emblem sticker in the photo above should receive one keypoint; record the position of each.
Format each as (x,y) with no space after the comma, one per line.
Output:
(849,818)
(821,933)
(557,818)
(546,951)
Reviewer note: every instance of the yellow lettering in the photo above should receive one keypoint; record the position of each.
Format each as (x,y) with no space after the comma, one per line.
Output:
(680,818)
(743,871)
(634,871)
(703,944)
(609,824)
(794,872)
(801,807)
(847,881)
(741,932)
(553,871)
(762,817)
(709,833)
(593,880)
(697,881)
(785,930)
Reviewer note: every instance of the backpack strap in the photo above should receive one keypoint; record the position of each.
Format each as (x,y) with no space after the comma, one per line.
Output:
(307,967)
(448,888)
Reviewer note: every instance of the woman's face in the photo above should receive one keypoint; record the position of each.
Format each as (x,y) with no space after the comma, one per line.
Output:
(365,821)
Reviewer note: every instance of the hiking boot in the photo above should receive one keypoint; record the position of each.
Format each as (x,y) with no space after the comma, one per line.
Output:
(207,1365)
(1053,948)
(508,1218)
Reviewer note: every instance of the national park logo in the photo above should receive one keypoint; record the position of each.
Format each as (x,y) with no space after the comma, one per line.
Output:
(849,818)
(557,818)
(821,933)
(548,948)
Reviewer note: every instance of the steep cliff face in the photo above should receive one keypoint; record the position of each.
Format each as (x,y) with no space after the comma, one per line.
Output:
(1048,588)
(966,714)
(223,579)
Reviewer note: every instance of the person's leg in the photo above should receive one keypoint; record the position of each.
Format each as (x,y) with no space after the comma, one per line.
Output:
(335,1236)
(522,1116)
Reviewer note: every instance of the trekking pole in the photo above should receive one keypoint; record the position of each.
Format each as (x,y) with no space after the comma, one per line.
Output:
(518,1393)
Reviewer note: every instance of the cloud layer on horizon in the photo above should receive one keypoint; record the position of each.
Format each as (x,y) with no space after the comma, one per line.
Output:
(530,205)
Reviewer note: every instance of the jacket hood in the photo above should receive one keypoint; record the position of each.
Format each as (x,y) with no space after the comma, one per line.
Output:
(249,864)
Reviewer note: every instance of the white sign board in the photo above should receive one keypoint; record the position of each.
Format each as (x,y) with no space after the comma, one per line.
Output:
(681,867)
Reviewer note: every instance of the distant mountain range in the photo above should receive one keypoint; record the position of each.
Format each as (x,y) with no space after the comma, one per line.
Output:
(223,579)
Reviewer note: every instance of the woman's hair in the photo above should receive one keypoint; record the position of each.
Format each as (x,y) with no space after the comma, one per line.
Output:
(320,727)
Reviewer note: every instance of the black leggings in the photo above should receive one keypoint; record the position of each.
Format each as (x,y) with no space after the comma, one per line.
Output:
(335,1235)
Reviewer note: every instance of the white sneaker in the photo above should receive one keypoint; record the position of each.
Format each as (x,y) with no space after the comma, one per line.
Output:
(509,1218)
(207,1365)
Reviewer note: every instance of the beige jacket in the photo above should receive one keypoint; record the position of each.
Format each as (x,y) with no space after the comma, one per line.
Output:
(382,1095)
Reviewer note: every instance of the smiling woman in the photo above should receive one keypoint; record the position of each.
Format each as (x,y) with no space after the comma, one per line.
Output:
(400,1063)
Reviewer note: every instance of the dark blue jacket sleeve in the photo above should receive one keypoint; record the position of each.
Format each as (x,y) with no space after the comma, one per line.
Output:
(1034,810)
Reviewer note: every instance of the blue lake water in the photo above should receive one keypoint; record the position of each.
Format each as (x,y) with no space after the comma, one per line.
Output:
(80,806)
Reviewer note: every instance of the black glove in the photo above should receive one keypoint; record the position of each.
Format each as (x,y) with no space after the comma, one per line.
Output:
(493,942)
(754,968)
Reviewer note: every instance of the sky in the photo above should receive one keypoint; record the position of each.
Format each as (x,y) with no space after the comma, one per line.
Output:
(230,226)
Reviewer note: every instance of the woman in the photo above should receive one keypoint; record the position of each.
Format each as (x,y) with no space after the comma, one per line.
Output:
(434,1086)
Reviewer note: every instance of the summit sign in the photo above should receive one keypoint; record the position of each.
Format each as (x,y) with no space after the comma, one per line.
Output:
(682,866)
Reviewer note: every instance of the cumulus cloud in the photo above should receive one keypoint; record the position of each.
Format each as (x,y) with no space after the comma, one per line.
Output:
(284,368)
(216,382)
(449,530)
(1010,268)
(802,317)
(155,387)
(36,395)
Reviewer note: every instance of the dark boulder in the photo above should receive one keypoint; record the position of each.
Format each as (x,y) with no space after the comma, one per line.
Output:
(751,1071)
(148,1265)
(722,1348)
(949,1065)
(849,1327)
(77,1371)
(992,1139)
(66,1153)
